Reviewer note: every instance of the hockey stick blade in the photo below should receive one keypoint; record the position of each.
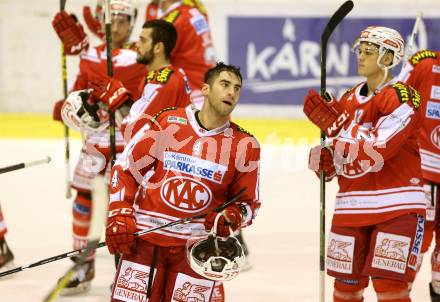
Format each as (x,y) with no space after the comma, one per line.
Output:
(99,217)
(25,165)
(140,233)
(334,21)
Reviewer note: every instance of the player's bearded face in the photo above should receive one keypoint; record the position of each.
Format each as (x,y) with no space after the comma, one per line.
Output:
(224,93)
(144,47)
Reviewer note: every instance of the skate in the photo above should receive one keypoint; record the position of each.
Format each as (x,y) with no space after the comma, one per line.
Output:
(81,280)
(6,257)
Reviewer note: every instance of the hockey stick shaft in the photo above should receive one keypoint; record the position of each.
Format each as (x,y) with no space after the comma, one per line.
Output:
(108,38)
(99,216)
(412,38)
(66,129)
(337,17)
(138,234)
(25,165)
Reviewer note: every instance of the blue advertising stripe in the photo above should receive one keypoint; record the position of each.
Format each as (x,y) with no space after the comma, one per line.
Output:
(280,56)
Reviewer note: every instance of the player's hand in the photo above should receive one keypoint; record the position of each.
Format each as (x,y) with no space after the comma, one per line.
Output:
(70,32)
(230,218)
(111,92)
(92,22)
(321,159)
(56,112)
(328,115)
(120,229)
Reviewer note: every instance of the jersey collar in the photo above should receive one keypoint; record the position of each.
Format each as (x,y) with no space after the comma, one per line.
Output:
(201,132)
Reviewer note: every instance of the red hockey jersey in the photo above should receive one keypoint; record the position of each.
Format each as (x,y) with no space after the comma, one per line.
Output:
(166,87)
(194,51)
(378,162)
(423,73)
(191,171)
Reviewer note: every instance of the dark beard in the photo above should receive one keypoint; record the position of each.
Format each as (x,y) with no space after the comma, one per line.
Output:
(145,59)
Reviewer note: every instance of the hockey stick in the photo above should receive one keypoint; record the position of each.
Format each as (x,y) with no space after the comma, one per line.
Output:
(66,129)
(108,38)
(138,234)
(337,17)
(99,217)
(412,39)
(25,165)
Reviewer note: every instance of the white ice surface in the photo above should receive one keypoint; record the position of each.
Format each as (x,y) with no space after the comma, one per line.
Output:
(284,241)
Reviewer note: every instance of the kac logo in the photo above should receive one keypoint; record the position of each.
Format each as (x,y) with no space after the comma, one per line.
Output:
(186,194)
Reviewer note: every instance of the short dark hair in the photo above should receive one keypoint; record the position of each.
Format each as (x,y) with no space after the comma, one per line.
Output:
(215,71)
(164,32)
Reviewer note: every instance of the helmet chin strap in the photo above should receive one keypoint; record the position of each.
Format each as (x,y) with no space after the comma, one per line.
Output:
(385,74)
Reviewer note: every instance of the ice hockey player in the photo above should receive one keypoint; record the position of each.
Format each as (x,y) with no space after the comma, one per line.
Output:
(164,86)
(198,159)
(422,71)
(95,154)
(372,147)
(194,51)
(6,256)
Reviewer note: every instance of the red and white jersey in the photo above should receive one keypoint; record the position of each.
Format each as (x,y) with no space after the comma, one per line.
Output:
(380,176)
(92,67)
(166,87)
(423,73)
(194,51)
(191,172)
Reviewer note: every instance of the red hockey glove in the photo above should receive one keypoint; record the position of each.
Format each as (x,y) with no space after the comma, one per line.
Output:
(71,33)
(92,22)
(231,217)
(56,112)
(329,115)
(111,92)
(151,11)
(321,159)
(120,229)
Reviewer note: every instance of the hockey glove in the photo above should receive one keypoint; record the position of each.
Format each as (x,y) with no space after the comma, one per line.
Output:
(93,23)
(321,159)
(328,114)
(56,112)
(110,92)
(120,229)
(231,218)
(71,33)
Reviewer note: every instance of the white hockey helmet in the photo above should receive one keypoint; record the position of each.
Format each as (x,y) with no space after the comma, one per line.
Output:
(215,258)
(77,114)
(386,39)
(124,7)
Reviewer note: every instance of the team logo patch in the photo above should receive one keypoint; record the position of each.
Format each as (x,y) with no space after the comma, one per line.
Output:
(200,25)
(177,120)
(421,55)
(340,253)
(391,252)
(435,137)
(435,92)
(189,289)
(194,166)
(132,282)
(186,194)
(435,68)
(433,110)
(414,257)
(407,94)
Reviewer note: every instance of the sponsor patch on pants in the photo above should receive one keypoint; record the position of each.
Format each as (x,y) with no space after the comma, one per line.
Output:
(189,289)
(340,253)
(391,252)
(132,282)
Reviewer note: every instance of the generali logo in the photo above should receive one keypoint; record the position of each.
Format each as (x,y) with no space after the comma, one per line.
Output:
(192,293)
(391,252)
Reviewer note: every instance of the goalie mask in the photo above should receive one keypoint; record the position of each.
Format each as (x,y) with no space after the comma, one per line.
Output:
(386,39)
(79,115)
(215,258)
